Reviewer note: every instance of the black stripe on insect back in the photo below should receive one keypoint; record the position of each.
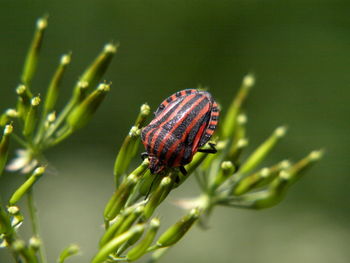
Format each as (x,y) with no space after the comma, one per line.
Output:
(162,122)
(178,133)
(166,126)
(191,136)
(181,130)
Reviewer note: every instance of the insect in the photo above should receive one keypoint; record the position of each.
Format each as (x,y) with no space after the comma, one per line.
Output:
(183,123)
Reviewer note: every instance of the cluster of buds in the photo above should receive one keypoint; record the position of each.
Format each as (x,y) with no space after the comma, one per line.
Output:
(36,124)
(43,125)
(224,178)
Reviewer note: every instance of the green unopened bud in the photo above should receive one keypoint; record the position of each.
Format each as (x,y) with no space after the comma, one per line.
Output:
(116,242)
(5,223)
(274,170)
(53,90)
(268,197)
(126,153)
(32,117)
(24,188)
(17,218)
(145,110)
(178,230)
(13,210)
(119,198)
(4,146)
(18,245)
(82,90)
(237,149)
(230,119)
(83,112)
(94,73)
(8,116)
(251,181)
(130,219)
(158,196)
(261,152)
(33,52)
(24,97)
(34,243)
(112,229)
(141,248)
(71,250)
(147,181)
(298,169)
(227,169)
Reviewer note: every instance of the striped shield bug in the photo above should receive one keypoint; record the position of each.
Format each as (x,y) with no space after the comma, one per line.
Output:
(183,123)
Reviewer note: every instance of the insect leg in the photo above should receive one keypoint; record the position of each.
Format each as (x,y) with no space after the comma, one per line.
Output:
(183,170)
(212,150)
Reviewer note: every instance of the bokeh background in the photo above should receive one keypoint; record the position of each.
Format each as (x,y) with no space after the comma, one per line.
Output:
(299,51)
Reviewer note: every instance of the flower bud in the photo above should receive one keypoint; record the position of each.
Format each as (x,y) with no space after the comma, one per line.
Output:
(127,153)
(96,70)
(119,198)
(32,117)
(116,242)
(4,146)
(113,228)
(178,230)
(83,112)
(130,219)
(230,120)
(249,182)
(298,169)
(145,110)
(158,196)
(53,89)
(227,169)
(34,243)
(141,248)
(71,250)
(261,152)
(24,188)
(24,97)
(33,52)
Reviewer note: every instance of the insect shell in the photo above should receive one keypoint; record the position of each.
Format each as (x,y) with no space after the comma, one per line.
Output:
(182,124)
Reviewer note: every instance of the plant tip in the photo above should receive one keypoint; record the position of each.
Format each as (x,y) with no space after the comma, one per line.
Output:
(65,59)
(8,129)
(110,48)
(284,175)
(155,222)
(13,209)
(249,80)
(35,101)
(265,172)
(242,118)
(39,170)
(12,113)
(42,23)
(316,155)
(104,87)
(281,131)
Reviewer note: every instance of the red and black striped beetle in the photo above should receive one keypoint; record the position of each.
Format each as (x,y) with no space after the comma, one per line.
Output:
(183,123)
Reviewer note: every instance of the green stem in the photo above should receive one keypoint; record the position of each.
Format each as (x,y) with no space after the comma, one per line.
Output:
(67,109)
(19,140)
(35,225)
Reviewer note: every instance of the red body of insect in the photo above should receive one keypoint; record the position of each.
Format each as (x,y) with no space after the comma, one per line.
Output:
(183,122)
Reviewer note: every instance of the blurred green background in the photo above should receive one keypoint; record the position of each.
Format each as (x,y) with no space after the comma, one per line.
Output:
(299,52)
